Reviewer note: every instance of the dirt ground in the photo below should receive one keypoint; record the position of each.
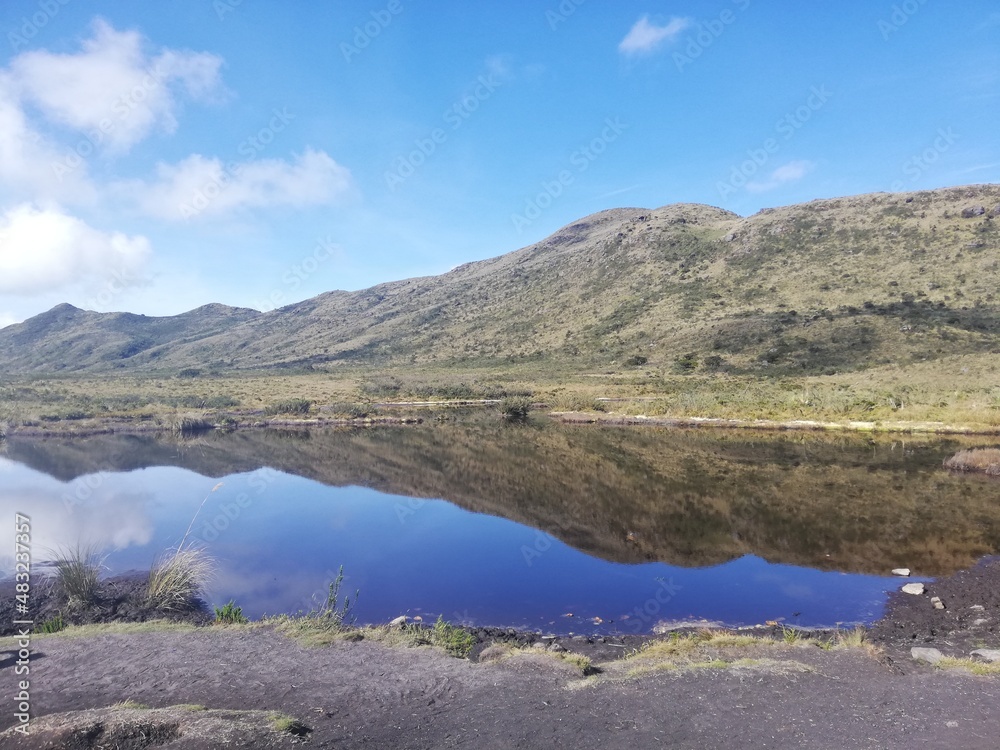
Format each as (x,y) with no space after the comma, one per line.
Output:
(364,694)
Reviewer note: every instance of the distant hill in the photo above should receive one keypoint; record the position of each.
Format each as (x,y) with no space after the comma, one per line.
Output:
(826,286)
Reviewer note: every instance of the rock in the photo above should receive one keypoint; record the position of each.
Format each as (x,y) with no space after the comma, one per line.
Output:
(936,602)
(398,622)
(979,621)
(556,648)
(904,572)
(987,654)
(539,645)
(917,589)
(973,211)
(929,655)
(977,608)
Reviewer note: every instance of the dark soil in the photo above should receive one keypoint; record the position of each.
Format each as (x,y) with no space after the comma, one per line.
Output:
(970,619)
(119,599)
(364,694)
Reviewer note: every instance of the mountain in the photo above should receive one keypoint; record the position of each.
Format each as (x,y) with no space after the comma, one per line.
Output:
(830,285)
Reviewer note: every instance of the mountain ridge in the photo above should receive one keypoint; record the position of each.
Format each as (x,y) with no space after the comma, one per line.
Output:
(798,289)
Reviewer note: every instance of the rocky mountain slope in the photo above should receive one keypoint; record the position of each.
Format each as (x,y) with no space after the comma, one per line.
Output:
(826,286)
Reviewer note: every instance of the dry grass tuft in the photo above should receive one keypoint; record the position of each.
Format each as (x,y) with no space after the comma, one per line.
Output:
(177,579)
(982,460)
(78,572)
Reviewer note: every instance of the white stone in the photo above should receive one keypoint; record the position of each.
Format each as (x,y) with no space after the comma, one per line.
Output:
(904,572)
(987,654)
(398,622)
(980,621)
(929,655)
(913,588)
(937,603)
(977,608)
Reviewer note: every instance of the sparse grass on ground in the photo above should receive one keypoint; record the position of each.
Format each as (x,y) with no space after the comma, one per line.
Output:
(983,669)
(958,390)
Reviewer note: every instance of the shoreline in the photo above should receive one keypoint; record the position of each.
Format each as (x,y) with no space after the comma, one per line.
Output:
(230,422)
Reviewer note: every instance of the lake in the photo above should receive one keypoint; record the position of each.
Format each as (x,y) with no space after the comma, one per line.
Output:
(563,529)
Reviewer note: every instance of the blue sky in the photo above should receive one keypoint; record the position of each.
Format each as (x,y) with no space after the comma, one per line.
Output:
(159,156)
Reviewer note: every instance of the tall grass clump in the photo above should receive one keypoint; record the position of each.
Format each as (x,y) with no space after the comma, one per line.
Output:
(291,406)
(983,460)
(515,408)
(77,572)
(178,578)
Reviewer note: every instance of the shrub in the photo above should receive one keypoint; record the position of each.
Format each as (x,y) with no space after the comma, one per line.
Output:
(53,625)
(189,372)
(456,641)
(192,425)
(291,406)
(515,408)
(686,363)
(349,411)
(636,360)
(230,614)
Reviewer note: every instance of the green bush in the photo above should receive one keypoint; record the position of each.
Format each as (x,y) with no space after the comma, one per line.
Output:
(515,408)
(53,625)
(230,614)
(456,641)
(291,406)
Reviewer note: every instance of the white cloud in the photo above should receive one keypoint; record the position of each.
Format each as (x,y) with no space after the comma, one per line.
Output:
(6,319)
(646,37)
(203,187)
(112,90)
(28,164)
(45,249)
(791,172)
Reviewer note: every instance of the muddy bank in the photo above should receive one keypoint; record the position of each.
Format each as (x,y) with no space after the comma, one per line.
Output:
(969,620)
(118,599)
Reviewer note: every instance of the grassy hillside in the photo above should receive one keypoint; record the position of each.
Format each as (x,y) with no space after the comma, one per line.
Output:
(827,287)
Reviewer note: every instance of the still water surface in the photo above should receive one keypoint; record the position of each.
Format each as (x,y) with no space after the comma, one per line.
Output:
(560,529)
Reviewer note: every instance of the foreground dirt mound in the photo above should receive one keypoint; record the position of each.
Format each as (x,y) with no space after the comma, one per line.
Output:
(970,619)
(177,728)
